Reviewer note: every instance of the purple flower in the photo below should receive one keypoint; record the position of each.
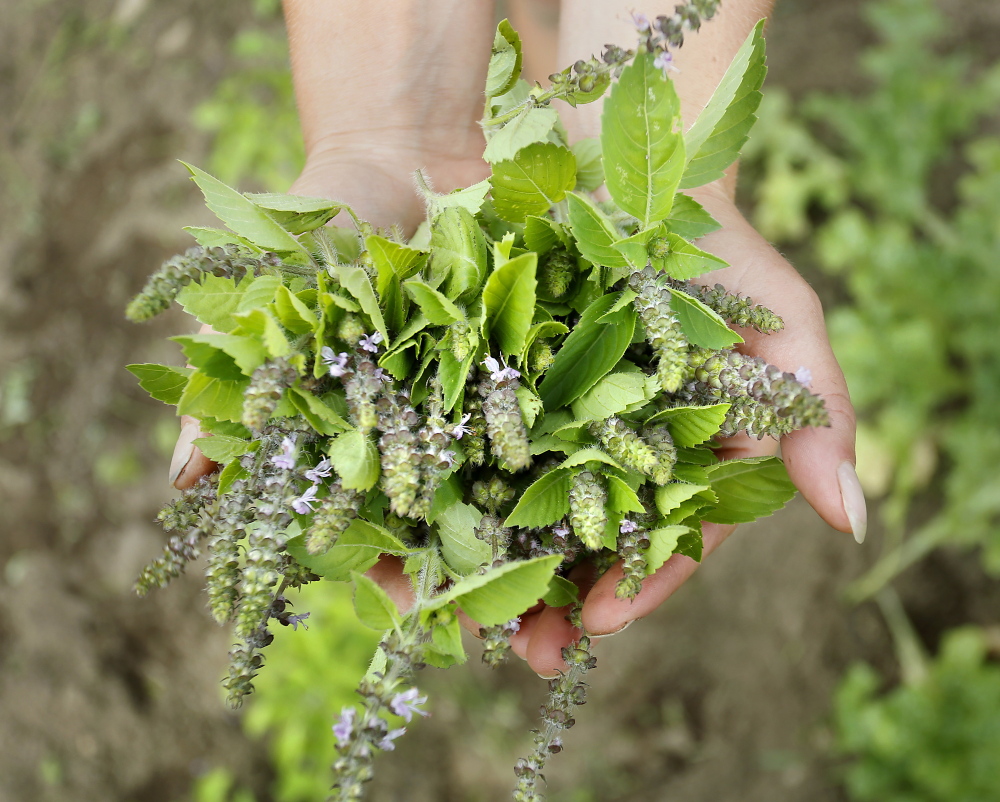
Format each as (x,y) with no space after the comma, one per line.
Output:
(382,376)
(286,459)
(627,526)
(665,62)
(407,703)
(304,503)
(387,742)
(461,429)
(804,376)
(641,22)
(498,373)
(293,621)
(370,342)
(345,727)
(321,471)
(337,363)
(561,531)
(514,625)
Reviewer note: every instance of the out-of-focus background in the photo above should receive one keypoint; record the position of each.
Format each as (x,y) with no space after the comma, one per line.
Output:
(794,666)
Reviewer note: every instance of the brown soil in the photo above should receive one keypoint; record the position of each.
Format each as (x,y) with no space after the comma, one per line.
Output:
(723,694)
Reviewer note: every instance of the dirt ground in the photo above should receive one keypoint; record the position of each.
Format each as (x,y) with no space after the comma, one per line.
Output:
(722,695)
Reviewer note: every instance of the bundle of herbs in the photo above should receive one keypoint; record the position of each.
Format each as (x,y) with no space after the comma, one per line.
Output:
(531,381)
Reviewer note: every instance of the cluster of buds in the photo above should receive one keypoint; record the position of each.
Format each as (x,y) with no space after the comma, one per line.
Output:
(738,309)
(474,439)
(658,438)
(628,448)
(222,574)
(632,545)
(435,438)
(556,273)
(334,515)
(496,641)
(586,79)
(177,272)
(587,513)
(663,329)
(504,424)
(666,32)
(362,387)
(566,692)
(267,384)
(400,450)
(492,531)
(765,401)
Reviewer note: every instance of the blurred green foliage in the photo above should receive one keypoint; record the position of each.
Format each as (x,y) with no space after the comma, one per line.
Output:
(905,183)
(932,740)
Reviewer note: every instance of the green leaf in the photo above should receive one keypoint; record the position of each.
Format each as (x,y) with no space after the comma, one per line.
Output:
(537,177)
(692,426)
(393,260)
(445,648)
(163,382)
(435,305)
(260,323)
(662,544)
(296,214)
(702,326)
(589,164)
(615,393)
(590,352)
(357,549)
(257,293)
(453,375)
(542,234)
(373,606)
(322,417)
(245,217)
(748,489)
(505,61)
(585,455)
(509,299)
(561,592)
(635,249)
(684,260)
(462,550)
(212,302)
(529,403)
(504,592)
(689,219)
(670,497)
(222,449)
(544,502)
(715,139)
(355,458)
(218,238)
(208,397)
(621,497)
(232,473)
(356,282)
(641,142)
(594,232)
(293,313)
(690,545)
(458,253)
(530,126)
(470,198)
(224,356)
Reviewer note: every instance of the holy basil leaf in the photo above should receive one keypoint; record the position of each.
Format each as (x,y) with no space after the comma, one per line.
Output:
(355,458)
(453,375)
(689,219)
(684,261)
(505,61)
(529,126)
(222,449)
(458,253)
(585,455)
(594,233)
(435,305)
(502,593)
(670,497)
(213,301)
(544,502)
(261,324)
(373,606)
(662,544)
(702,326)
(615,393)
(590,352)
(692,426)
(542,234)
(509,300)
(357,549)
(293,313)
(715,139)
(207,397)
(538,176)
(621,497)
(589,164)
(470,198)
(690,544)
(642,146)
(561,592)
(322,417)
(445,648)
(233,472)
(296,214)
(214,353)
(392,260)
(245,217)
(462,550)
(355,281)
(256,293)
(748,489)
(163,382)
(218,238)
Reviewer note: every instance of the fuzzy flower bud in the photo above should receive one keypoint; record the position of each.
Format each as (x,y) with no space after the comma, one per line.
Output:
(401,452)
(556,273)
(663,329)
(244,663)
(267,384)
(361,390)
(632,545)
(504,424)
(587,513)
(625,445)
(334,515)
(496,641)
(738,309)
(350,329)
(658,438)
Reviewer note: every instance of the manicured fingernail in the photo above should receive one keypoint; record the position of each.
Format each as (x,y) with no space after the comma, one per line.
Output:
(622,628)
(183,450)
(854,500)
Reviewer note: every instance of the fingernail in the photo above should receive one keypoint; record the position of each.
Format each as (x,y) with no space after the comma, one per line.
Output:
(548,676)
(622,628)
(854,500)
(183,450)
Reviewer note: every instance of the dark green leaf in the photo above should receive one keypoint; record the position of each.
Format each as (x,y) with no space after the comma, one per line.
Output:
(233,472)
(690,545)
(561,592)
(541,234)
(614,393)
(641,142)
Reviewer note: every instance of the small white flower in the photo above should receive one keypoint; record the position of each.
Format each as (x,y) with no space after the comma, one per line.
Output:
(627,526)
(382,376)
(461,429)
(386,744)
(370,342)
(321,471)
(286,459)
(665,62)
(345,727)
(514,625)
(641,22)
(337,363)
(561,531)
(498,373)
(804,376)
(303,505)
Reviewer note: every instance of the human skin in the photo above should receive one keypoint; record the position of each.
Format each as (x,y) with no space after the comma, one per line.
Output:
(399,87)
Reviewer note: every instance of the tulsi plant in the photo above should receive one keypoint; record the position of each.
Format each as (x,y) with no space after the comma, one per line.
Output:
(532,380)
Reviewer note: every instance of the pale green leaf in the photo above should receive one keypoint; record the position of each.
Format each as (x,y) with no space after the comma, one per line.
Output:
(544,502)
(213,301)
(458,253)
(529,126)
(296,214)
(229,475)
(692,426)
(614,393)
(561,592)
(222,449)
(470,198)
(685,261)
(293,313)
(594,233)
(529,403)
(392,260)
(589,164)
(669,497)
(356,282)
(640,139)
(218,238)
(585,455)
(357,549)
(538,176)
(372,605)
(208,397)
(662,544)
(509,300)
(355,458)
(462,550)
(260,323)
(621,497)
(689,219)
(435,305)
(453,375)
(542,234)
(163,382)
(321,416)
(714,140)
(702,326)
(257,293)
(505,61)
(224,356)
(748,489)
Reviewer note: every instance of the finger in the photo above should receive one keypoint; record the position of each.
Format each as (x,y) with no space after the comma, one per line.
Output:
(519,640)
(188,464)
(389,575)
(606,614)
(552,631)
